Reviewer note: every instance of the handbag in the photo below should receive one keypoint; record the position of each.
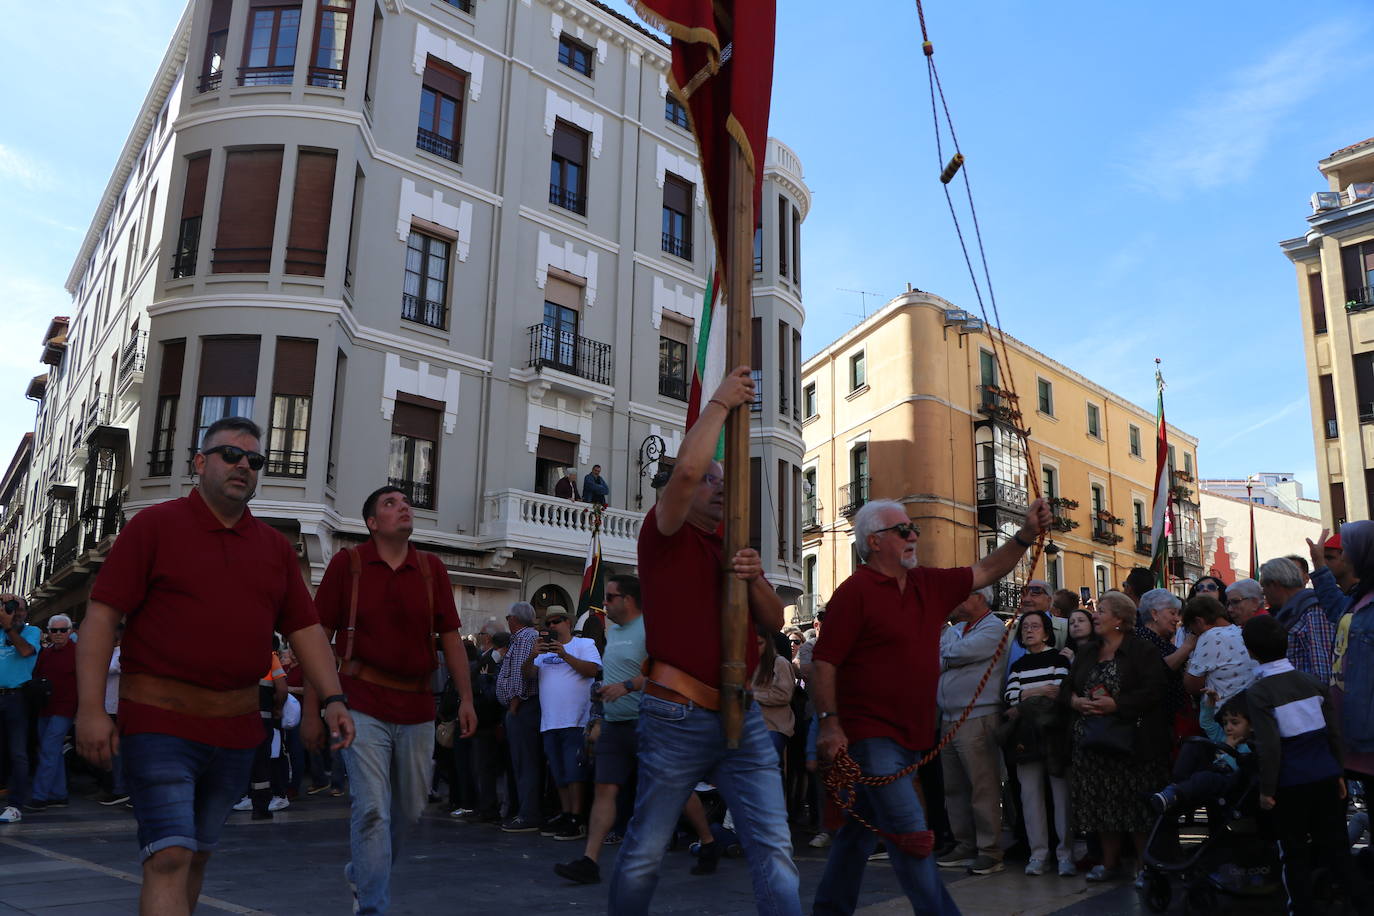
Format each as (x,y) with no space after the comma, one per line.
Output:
(445,732)
(1108,735)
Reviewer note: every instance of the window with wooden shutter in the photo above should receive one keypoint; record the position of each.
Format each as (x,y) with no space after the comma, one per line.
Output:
(441,111)
(165,418)
(308,241)
(567,170)
(293,389)
(247,211)
(228,380)
(192,208)
(677,217)
(414,450)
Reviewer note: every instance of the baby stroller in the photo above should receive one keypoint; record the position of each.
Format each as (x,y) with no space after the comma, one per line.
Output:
(1231,856)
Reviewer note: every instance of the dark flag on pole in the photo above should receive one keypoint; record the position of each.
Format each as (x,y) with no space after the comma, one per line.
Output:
(723,73)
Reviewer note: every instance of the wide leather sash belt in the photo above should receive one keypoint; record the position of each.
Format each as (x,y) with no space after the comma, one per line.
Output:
(677,686)
(186,698)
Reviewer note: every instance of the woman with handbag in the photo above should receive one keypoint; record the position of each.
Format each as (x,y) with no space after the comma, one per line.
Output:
(1031,694)
(1117,687)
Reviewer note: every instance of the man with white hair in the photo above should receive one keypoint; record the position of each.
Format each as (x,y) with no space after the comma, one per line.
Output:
(876,671)
(1311,636)
(57,663)
(1037,595)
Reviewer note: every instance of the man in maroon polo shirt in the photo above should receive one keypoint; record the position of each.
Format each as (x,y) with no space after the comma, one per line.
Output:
(877,665)
(680,737)
(385,600)
(201,585)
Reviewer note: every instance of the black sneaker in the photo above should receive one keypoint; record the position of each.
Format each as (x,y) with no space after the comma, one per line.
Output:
(56,802)
(552,825)
(581,871)
(518,824)
(573,828)
(708,857)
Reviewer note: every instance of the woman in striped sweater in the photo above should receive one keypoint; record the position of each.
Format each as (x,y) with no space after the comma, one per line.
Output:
(1034,680)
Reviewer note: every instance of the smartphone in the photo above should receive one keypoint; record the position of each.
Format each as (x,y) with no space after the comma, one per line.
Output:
(1085,594)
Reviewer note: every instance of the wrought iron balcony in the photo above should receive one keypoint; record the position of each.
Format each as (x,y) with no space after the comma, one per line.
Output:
(681,247)
(134,356)
(553,348)
(671,386)
(64,552)
(994,492)
(209,81)
(1006,597)
(999,404)
(1142,545)
(419,492)
(325,78)
(267,76)
(568,199)
(853,495)
(439,145)
(413,308)
(810,514)
(1359,298)
(1061,522)
(1104,534)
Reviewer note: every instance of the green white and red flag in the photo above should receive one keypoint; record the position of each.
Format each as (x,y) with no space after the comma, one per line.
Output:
(1162,522)
(708,355)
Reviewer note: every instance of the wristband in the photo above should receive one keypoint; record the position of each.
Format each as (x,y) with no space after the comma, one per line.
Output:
(334,698)
(628,684)
(723,405)
(1024,543)
(822,716)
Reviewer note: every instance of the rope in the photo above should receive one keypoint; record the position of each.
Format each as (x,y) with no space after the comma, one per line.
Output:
(844,774)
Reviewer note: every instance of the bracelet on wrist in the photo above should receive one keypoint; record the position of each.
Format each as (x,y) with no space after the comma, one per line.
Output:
(334,698)
(1022,541)
(723,405)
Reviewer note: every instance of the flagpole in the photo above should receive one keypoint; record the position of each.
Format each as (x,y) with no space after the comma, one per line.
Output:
(734,612)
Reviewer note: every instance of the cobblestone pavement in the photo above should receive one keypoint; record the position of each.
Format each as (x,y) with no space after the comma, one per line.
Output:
(82,861)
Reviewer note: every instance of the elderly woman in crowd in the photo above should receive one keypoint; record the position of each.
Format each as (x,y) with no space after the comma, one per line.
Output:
(1160,614)
(1117,687)
(1244,599)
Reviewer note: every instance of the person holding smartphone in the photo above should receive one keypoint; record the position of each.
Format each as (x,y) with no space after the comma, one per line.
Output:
(18,654)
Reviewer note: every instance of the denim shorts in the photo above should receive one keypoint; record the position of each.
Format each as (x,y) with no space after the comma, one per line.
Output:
(563,747)
(616,750)
(182,790)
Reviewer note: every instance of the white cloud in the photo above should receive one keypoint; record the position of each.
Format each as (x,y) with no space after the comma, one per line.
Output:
(1220,137)
(23,170)
(1300,403)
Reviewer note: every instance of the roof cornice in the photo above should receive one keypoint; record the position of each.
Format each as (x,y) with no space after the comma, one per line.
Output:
(157,95)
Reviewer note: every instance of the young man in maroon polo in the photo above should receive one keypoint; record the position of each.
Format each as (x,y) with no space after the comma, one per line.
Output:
(681,557)
(876,668)
(202,585)
(386,663)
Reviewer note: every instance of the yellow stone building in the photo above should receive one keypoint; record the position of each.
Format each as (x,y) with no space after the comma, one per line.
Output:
(912,405)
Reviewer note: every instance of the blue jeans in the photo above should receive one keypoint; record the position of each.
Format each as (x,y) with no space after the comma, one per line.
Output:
(182,790)
(14,732)
(895,808)
(522,736)
(50,776)
(678,747)
(388,777)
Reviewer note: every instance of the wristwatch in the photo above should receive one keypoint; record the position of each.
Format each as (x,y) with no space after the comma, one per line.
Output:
(334,698)
(1024,543)
(822,716)
(628,684)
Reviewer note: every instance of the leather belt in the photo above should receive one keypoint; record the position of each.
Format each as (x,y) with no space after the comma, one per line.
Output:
(186,698)
(361,670)
(677,686)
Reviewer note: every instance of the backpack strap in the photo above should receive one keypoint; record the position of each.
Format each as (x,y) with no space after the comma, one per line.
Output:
(355,565)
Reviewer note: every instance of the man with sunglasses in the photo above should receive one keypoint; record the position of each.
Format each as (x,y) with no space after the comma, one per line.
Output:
(681,740)
(877,665)
(56,663)
(202,585)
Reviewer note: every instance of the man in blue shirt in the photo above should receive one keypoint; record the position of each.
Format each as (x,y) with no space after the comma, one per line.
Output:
(18,654)
(594,487)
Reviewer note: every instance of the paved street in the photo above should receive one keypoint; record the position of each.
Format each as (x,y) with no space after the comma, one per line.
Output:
(81,861)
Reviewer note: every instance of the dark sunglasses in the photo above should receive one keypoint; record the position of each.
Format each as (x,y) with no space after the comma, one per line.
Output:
(59,629)
(1207,587)
(904,530)
(553,620)
(232,455)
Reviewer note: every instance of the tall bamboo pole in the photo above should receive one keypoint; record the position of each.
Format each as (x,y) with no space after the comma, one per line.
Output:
(734,612)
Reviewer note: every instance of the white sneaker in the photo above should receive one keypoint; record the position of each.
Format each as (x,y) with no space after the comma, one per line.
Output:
(1036,866)
(276,804)
(820,840)
(11,815)
(244,804)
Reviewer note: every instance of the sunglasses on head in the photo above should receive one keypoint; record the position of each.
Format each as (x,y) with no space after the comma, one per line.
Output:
(904,529)
(232,454)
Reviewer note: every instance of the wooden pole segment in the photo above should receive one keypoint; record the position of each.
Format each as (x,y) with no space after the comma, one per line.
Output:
(734,612)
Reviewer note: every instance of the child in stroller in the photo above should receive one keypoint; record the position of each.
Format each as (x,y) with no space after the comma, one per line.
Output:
(1234,857)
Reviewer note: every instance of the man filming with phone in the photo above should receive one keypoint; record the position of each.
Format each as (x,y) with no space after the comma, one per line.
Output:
(18,655)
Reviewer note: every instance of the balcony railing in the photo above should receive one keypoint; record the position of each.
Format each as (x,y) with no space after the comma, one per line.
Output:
(568,199)
(853,495)
(97,413)
(548,524)
(671,386)
(1061,522)
(65,550)
(255,260)
(188,249)
(305,262)
(1143,545)
(810,514)
(413,308)
(286,463)
(1006,597)
(1359,298)
(325,78)
(994,492)
(134,355)
(553,348)
(999,404)
(419,492)
(210,81)
(266,76)
(439,145)
(1104,534)
(680,247)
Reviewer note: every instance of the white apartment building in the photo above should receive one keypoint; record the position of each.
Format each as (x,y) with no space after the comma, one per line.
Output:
(456,246)
(1280,489)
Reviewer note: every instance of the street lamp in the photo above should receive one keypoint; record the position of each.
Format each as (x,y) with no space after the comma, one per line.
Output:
(650,451)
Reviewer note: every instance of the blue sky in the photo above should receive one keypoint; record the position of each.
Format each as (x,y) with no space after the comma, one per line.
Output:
(1134,168)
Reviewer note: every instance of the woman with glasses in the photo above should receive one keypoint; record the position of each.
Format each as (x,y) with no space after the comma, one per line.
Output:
(1210,586)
